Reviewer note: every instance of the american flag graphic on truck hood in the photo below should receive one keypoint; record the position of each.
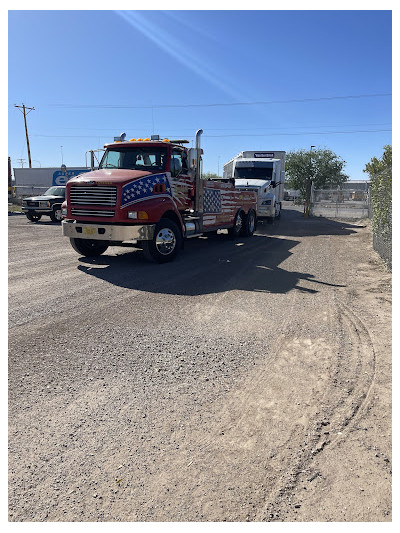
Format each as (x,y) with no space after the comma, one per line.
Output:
(153,186)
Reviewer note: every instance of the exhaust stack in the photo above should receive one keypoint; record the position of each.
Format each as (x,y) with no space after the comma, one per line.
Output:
(198,204)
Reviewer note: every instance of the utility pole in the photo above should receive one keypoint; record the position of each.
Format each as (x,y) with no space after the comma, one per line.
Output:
(23,109)
(309,183)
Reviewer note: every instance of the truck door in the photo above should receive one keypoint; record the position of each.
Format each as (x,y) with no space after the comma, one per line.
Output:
(181,182)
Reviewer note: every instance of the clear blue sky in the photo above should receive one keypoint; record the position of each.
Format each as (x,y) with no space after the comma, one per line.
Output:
(91,75)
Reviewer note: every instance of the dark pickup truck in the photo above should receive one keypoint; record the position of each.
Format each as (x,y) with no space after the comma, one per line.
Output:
(48,204)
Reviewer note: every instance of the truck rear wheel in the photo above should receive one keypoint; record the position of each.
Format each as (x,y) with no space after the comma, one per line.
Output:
(237,228)
(250,223)
(88,247)
(165,244)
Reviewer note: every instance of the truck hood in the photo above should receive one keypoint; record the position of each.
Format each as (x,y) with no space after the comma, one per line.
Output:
(43,198)
(243,182)
(109,176)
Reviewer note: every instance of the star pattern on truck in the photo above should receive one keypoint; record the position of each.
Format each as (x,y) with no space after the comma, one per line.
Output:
(143,188)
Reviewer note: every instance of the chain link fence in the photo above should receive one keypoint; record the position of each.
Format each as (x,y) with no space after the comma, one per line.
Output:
(349,201)
(380,212)
(355,201)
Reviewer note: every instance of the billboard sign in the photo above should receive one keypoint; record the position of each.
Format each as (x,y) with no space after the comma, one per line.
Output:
(60,177)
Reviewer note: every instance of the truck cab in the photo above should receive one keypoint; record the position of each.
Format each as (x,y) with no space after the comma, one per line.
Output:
(262,172)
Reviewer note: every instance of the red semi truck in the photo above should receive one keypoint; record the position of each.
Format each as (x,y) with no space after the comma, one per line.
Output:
(149,193)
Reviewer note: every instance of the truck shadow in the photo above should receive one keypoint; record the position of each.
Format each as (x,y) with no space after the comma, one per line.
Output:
(217,265)
(293,224)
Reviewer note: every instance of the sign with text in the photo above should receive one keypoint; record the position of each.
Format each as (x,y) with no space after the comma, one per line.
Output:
(269,155)
(60,177)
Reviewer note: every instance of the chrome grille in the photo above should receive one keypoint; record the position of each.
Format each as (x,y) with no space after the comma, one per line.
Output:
(97,195)
(92,212)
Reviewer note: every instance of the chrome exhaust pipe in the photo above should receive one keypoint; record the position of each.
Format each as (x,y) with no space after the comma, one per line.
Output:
(198,203)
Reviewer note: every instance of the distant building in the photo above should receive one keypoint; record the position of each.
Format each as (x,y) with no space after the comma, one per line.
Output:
(36,180)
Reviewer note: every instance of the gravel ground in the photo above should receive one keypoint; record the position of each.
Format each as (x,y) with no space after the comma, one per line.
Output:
(248,380)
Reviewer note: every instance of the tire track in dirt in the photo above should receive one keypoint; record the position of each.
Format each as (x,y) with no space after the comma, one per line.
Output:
(345,400)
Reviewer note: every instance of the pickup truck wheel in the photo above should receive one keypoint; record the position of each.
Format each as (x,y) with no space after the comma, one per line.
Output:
(249,225)
(166,242)
(33,217)
(88,247)
(236,230)
(56,215)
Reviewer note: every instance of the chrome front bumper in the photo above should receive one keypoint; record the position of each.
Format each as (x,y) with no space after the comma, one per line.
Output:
(105,232)
(266,212)
(38,210)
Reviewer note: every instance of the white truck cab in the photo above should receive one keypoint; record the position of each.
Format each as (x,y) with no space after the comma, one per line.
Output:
(263,172)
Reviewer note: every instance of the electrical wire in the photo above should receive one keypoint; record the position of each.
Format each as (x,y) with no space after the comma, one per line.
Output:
(233,134)
(164,106)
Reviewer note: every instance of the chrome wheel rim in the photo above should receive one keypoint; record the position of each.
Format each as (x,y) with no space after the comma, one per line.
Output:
(238,224)
(165,241)
(58,214)
(251,222)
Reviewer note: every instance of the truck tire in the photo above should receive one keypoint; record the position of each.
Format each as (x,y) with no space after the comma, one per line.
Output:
(250,223)
(56,214)
(166,242)
(237,228)
(88,247)
(33,217)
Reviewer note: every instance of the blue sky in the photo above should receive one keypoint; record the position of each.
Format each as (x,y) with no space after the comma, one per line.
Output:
(92,74)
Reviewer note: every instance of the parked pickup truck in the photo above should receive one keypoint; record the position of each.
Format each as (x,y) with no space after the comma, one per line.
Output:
(48,204)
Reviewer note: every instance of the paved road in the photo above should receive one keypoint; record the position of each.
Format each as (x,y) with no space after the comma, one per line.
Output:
(201,390)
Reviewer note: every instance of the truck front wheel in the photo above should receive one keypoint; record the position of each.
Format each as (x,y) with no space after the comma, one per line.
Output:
(33,217)
(166,242)
(56,214)
(88,247)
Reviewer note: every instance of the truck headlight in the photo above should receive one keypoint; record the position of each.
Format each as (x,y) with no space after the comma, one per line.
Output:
(64,211)
(141,215)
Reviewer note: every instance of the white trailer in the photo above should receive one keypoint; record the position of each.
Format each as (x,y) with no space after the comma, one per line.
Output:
(263,172)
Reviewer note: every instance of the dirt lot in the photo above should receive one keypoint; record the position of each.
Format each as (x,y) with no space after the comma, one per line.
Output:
(249,380)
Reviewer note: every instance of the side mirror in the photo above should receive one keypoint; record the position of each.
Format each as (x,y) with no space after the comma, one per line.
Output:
(273,184)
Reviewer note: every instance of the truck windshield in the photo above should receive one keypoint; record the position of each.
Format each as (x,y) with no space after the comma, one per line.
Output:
(135,158)
(55,191)
(252,173)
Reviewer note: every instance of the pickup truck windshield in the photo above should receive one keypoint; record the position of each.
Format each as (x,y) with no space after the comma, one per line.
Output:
(135,158)
(252,173)
(55,191)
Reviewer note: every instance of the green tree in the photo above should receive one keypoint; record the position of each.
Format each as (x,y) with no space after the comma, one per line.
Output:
(210,176)
(320,167)
(379,171)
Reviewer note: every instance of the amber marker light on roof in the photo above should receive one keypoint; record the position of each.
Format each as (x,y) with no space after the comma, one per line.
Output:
(165,140)
(146,139)
(139,139)
(132,139)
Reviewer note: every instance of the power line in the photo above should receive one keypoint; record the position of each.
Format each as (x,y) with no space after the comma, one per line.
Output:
(233,134)
(205,128)
(164,106)
(297,133)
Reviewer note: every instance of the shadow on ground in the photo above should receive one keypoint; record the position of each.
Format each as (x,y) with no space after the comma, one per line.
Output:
(217,264)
